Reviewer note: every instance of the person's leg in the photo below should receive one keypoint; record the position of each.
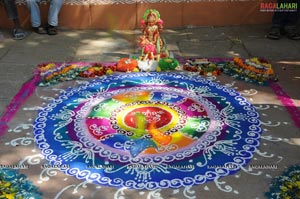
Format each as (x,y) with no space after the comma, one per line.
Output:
(278,22)
(18,33)
(12,13)
(291,23)
(11,9)
(54,10)
(34,9)
(279,19)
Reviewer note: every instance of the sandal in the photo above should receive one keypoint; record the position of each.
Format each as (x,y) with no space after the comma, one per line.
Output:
(18,34)
(52,30)
(40,30)
(274,34)
(292,34)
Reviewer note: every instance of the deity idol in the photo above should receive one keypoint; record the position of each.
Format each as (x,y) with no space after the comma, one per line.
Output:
(153,46)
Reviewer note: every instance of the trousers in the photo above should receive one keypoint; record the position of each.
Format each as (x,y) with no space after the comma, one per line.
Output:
(11,9)
(286,19)
(33,6)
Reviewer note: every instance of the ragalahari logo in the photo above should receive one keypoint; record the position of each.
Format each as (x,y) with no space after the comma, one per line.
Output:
(278,7)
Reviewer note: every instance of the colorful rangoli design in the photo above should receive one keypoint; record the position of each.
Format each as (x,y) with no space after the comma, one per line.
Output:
(148,130)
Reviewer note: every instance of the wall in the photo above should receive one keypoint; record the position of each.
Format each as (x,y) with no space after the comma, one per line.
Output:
(102,14)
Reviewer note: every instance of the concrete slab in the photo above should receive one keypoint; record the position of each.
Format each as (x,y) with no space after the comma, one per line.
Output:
(3,50)
(3,103)
(246,32)
(38,48)
(273,50)
(206,33)
(296,44)
(96,45)
(195,47)
(12,78)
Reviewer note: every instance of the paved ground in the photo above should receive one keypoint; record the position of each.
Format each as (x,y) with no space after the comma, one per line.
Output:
(20,58)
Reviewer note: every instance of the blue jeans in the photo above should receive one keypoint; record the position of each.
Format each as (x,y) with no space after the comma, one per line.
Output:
(33,6)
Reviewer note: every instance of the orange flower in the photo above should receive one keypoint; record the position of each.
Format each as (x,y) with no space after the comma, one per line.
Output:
(270,71)
(127,64)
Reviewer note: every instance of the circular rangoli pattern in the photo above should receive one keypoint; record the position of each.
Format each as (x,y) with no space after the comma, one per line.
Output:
(148,131)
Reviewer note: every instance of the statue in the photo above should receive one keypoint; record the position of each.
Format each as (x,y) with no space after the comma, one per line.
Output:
(153,46)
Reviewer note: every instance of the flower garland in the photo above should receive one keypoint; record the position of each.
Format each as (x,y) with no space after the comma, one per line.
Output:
(286,186)
(52,73)
(252,70)
(14,185)
(96,70)
(254,65)
(203,66)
